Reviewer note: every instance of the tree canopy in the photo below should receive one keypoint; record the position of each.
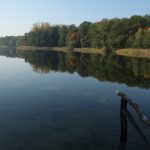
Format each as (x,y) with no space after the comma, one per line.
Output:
(133,32)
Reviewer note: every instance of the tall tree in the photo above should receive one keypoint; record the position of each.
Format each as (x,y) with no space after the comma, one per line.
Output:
(139,36)
(84,33)
(63,31)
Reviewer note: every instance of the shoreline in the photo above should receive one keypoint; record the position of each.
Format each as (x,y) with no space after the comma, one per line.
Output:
(133,52)
(62,49)
(128,52)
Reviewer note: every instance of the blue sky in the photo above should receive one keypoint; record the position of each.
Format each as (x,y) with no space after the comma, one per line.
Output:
(17,16)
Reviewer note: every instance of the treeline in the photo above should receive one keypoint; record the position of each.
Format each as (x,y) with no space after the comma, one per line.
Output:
(133,32)
(8,41)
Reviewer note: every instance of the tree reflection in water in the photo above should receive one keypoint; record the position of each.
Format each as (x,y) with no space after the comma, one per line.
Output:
(112,68)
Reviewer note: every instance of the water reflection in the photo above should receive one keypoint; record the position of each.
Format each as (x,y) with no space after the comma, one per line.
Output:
(64,111)
(112,68)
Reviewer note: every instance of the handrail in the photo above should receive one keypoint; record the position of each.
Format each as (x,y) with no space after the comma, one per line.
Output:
(141,115)
(135,125)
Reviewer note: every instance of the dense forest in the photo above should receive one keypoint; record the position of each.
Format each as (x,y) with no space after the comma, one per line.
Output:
(133,32)
(110,68)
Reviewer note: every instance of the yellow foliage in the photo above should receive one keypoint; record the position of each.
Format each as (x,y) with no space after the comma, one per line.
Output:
(42,25)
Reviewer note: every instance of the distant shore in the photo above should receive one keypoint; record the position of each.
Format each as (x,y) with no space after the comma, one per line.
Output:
(4,47)
(62,49)
(131,52)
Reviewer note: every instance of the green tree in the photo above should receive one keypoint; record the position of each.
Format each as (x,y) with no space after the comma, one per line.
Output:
(84,33)
(139,36)
(146,40)
(63,31)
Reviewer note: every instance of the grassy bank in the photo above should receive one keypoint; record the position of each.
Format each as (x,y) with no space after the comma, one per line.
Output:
(88,50)
(4,47)
(61,49)
(32,48)
(131,52)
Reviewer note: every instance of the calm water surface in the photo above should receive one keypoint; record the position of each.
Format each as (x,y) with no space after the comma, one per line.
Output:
(58,101)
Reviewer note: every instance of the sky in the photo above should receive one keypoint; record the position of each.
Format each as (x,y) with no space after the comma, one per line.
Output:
(17,16)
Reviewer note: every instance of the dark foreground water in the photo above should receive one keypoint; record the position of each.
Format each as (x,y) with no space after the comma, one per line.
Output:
(58,101)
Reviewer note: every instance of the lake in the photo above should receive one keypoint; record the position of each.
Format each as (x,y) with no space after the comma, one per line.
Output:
(67,101)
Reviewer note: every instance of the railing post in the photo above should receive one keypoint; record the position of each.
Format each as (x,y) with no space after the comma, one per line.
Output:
(123,124)
(123,103)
